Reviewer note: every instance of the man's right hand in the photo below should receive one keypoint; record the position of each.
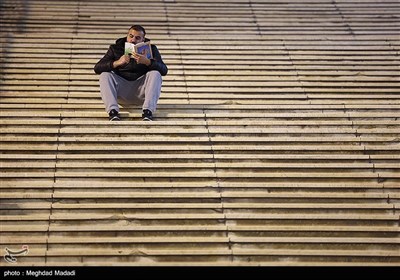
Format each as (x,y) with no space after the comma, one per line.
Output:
(123,60)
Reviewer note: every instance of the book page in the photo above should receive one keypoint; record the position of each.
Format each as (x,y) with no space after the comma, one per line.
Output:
(129,48)
(144,49)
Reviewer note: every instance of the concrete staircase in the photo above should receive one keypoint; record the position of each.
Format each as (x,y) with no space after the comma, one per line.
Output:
(276,141)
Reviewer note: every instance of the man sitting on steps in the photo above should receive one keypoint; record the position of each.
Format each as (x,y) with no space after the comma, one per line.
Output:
(130,79)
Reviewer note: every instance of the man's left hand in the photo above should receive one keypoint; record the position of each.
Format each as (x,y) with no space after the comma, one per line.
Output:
(141,59)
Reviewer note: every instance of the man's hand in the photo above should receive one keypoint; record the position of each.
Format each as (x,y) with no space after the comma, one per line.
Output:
(123,60)
(141,59)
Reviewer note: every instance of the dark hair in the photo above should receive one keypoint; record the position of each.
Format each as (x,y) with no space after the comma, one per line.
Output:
(138,28)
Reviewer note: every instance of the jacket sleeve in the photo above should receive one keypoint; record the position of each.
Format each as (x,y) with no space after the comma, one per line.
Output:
(157,63)
(106,63)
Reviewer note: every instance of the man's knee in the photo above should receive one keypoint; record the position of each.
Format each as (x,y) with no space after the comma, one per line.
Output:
(105,76)
(154,75)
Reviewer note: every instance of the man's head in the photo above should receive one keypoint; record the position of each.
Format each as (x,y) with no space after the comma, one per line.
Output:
(136,34)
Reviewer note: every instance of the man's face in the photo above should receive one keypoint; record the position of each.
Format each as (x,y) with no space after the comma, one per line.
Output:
(134,36)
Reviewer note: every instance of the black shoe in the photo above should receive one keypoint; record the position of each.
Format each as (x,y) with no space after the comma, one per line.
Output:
(147,115)
(114,115)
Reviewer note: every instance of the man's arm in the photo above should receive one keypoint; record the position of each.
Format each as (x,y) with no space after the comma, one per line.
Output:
(109,62)
(157,63)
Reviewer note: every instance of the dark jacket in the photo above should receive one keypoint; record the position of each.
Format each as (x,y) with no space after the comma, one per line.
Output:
(132,70)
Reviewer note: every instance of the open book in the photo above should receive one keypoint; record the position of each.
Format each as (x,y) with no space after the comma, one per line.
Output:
(141,48)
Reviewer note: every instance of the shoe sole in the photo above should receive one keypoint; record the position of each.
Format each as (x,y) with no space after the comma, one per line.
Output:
(115,119)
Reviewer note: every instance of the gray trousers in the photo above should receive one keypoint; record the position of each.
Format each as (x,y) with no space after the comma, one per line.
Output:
(145,91)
